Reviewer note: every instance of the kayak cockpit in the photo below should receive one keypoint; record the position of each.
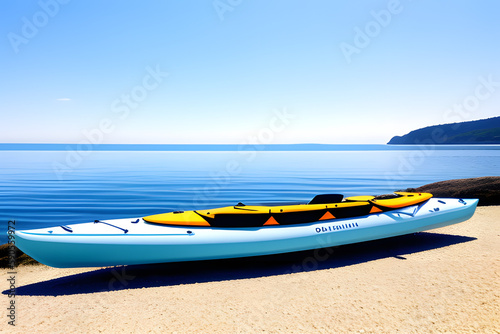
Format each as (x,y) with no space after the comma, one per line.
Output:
(321,207)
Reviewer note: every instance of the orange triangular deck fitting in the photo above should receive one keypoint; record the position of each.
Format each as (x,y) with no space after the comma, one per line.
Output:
(375,210)
(327,215)
(271,221)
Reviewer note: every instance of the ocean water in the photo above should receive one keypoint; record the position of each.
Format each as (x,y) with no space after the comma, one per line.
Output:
(45,188)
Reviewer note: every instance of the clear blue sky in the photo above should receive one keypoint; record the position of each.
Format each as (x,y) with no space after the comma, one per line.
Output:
(347,71)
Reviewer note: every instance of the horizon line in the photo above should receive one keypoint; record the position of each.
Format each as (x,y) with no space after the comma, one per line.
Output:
(88,147)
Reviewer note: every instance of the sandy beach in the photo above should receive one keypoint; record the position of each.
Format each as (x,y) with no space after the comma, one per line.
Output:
(444,280)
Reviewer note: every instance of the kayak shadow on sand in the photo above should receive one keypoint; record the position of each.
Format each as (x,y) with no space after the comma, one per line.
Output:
(171,274)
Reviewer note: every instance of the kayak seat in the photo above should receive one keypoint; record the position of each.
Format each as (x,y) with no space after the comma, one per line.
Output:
(326,199)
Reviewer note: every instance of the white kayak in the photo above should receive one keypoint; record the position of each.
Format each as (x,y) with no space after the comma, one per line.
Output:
(136,241)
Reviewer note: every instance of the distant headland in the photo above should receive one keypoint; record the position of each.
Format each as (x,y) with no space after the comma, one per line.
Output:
(484,131)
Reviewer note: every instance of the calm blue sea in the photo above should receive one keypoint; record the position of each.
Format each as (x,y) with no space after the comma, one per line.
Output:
(63,186)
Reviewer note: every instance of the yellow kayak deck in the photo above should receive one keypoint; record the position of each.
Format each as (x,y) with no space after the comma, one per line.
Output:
(254,216)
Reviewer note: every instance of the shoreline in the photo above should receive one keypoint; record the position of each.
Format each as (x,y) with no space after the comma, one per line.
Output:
(486,189)
(444,280)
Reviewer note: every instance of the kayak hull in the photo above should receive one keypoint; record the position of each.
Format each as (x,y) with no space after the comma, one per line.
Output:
(107,244)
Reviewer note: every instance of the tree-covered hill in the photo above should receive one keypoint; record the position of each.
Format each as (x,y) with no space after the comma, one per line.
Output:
(484,131)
